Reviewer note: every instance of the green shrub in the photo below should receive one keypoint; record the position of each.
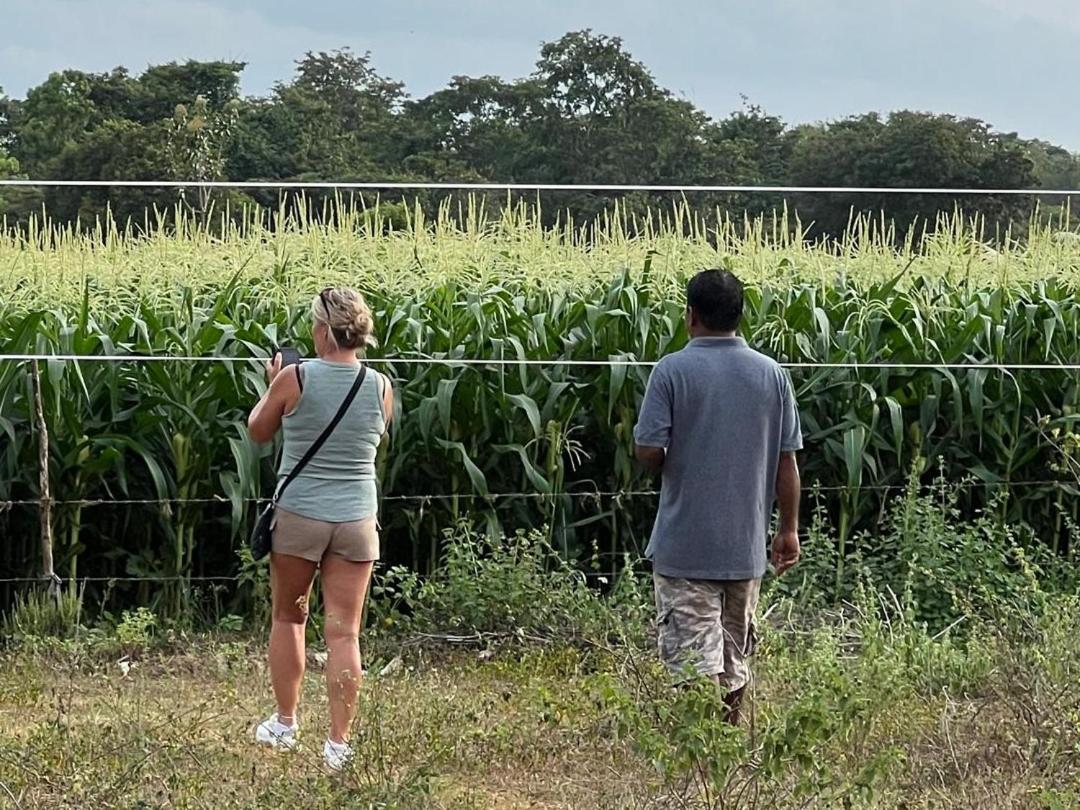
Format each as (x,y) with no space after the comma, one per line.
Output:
(137,628)
(515,585)
(935,565)
(794,755)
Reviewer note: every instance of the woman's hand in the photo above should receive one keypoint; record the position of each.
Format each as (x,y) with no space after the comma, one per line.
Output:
(282,394)
(273,368)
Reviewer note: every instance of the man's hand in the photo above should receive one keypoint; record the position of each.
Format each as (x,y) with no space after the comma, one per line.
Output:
(785,546)
(651,458)
(785,551)
(273,368)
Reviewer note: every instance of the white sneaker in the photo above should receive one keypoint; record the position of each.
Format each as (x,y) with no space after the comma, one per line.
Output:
(336,754)
(276,734)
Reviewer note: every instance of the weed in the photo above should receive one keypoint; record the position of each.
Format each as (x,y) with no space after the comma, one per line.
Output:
(137,628)
(512,587)
(41,613)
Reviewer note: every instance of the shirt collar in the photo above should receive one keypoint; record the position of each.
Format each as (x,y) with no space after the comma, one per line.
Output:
(719,342)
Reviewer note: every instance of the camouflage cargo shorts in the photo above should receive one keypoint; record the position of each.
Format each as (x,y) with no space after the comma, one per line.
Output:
(707,625)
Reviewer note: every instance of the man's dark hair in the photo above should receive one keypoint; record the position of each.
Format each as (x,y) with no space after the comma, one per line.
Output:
(716,296)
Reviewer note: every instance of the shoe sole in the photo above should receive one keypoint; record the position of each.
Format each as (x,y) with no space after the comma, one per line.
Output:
(276,744)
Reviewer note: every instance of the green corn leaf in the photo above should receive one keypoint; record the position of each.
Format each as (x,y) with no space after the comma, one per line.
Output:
(479,482)
(531,410)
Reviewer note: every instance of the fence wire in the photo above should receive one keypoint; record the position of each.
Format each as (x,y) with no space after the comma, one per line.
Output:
(506,496)
(546,362)
(614,495)
(379,185)
(594,575)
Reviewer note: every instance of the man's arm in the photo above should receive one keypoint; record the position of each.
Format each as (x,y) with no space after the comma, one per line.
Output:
(651,458)
(785,546)
(652,434)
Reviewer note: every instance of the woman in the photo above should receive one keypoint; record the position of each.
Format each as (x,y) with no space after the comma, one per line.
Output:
(326,519)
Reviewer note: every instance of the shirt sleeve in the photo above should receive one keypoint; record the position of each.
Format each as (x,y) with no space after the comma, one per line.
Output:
(791,438)
(653,428)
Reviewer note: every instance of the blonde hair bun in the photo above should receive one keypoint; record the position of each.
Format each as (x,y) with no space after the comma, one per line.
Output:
(349,317)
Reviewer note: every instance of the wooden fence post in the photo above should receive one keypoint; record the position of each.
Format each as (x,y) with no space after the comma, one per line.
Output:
(45,503)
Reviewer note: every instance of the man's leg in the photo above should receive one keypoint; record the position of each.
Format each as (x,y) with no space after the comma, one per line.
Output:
(737,620)
(689,632)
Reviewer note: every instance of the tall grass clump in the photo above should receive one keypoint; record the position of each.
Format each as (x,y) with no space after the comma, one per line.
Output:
(41,614)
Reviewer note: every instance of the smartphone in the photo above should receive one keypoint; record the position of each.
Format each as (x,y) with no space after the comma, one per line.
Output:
(289,356)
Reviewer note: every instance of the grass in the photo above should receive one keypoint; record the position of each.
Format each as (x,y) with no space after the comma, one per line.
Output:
(943,674)
(850,710)
(445,731)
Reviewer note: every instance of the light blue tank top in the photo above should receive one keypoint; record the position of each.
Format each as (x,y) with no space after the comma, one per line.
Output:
(338,484)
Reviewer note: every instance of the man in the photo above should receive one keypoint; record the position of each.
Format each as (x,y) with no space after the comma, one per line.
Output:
(719,422)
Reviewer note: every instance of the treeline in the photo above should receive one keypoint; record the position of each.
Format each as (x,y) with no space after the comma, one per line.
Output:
(589,113)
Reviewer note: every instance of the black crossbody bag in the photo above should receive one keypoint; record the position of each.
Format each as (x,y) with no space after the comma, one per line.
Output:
(262,535)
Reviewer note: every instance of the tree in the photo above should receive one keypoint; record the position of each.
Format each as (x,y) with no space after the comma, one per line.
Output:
(603,119)
(162,88)
(196,143)
(117,150)
(80,125)
(913,150)
(56,115)
(338,119)
(341,116)
(9,166)
(15,202)
(1054,168)
(480,127)
(588,113)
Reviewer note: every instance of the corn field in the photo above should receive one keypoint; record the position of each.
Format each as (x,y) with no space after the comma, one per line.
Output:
(512,445)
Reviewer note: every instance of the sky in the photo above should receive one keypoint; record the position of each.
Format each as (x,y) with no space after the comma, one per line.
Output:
(1013,63)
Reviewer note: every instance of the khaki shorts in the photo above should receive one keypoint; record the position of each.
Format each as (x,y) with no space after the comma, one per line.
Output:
(708,626)
(299,536)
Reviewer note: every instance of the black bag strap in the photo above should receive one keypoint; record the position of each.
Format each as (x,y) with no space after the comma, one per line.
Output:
(319,442)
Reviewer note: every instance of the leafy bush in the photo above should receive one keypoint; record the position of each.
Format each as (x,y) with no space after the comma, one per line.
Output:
(515,585)
(137,628)
(940,567)
(794,753)
(840,713)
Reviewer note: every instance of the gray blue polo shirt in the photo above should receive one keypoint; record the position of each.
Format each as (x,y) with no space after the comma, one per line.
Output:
(724,413)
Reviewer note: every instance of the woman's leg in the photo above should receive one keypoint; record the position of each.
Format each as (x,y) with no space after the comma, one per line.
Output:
(344,587)
(290,585)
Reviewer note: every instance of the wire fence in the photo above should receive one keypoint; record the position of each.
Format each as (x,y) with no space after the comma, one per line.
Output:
(593,575)
(614,495)
(544,362)
(46,503)
(380,185)
(506,496)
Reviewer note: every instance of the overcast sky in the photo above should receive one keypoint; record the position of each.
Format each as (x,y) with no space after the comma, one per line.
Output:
(1013,63)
